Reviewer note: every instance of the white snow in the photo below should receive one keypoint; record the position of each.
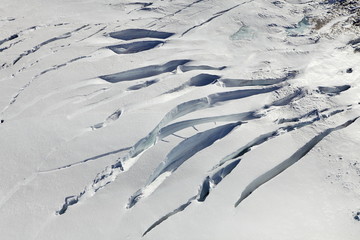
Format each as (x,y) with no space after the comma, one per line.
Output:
(230,119)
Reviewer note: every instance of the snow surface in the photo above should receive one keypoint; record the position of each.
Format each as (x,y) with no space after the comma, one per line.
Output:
(179,119)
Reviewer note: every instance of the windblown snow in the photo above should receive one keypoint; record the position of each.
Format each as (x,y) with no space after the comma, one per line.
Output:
(180,119)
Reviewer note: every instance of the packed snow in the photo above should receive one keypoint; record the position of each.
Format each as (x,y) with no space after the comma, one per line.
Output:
(180,119)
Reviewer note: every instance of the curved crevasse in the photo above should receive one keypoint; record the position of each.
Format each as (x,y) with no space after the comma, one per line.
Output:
(181,153)
(275,171)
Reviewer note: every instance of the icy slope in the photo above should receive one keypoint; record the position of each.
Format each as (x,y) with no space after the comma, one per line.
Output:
(179,119)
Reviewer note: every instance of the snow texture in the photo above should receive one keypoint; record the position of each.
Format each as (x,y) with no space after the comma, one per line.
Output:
(179,119)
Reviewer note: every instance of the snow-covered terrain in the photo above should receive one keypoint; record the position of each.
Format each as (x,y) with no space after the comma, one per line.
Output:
(180,119)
